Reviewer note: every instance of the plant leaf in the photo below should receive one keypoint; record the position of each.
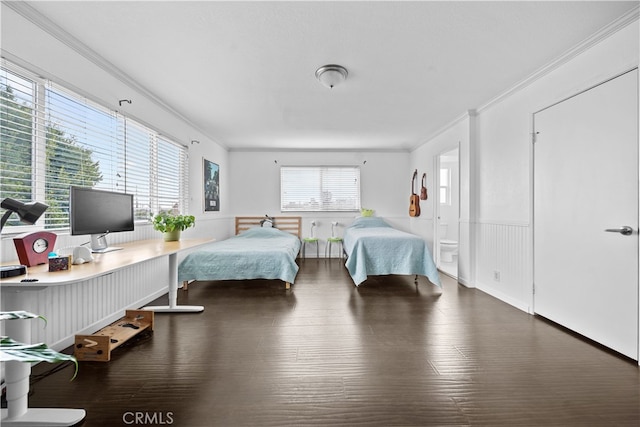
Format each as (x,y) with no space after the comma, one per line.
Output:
(21,314)
(11,350)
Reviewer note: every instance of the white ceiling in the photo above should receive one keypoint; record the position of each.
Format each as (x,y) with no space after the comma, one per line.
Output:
(243,72)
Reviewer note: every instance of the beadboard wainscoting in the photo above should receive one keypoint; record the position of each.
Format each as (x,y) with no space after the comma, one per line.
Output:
(465,260)
(86,306)
(504,262)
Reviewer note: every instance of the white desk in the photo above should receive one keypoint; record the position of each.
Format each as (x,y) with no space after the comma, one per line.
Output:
(15,294)
(130,254)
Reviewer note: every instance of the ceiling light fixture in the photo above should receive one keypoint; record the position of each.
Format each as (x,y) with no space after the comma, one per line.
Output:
(331,75)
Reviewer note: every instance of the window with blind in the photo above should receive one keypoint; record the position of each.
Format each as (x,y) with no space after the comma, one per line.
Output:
(319,188)
(53,138)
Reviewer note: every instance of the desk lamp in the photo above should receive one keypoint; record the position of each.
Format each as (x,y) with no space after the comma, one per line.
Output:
(28,213)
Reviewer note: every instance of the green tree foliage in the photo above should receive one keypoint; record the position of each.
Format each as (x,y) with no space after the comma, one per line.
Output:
(16,130)
(67,162)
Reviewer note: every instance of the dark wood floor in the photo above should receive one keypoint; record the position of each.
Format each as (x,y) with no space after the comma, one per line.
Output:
(327,353)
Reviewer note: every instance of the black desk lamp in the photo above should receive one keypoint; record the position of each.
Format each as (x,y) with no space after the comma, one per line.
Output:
(29,213)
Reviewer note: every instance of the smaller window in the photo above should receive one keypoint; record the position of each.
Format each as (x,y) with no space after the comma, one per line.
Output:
(445,186)
(319,188)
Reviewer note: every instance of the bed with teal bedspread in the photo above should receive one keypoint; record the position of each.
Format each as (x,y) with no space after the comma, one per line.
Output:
(257,253)
(374,248)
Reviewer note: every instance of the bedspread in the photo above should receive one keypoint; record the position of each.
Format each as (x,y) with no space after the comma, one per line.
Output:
(258,253)
(375,248)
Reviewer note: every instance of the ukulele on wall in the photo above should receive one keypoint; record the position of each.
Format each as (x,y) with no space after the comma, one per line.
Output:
(414,200)
(423,190)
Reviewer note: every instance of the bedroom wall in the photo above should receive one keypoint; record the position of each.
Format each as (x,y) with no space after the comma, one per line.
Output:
(105,299)
(64,60)
(500,169)
(424,159)
(385,185)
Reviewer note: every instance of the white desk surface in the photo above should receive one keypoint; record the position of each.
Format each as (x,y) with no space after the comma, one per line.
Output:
(130,254)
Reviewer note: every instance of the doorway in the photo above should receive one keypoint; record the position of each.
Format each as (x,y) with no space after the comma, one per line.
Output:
(586,213)
(448,211)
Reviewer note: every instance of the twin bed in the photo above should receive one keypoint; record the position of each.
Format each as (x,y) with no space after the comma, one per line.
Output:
(257,251)
(374,248)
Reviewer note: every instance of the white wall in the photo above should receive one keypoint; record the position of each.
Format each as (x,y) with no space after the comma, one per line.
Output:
(424,159)
(385,185)
(499,151)
(58,59)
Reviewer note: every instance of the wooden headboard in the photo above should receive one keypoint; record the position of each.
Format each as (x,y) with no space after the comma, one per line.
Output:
(291,224)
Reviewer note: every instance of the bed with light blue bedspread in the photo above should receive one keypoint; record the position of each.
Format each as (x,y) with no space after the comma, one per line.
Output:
(258,253)
(374,248)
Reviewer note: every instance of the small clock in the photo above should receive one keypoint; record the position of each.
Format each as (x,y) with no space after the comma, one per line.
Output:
(34,248)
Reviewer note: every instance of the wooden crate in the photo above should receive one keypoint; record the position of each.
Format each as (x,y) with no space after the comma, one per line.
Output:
(98,347)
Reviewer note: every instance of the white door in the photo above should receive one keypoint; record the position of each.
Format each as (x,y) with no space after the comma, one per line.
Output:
(586,182)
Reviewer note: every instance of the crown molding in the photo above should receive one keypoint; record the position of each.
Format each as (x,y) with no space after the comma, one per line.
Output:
(32,15)
(604,33)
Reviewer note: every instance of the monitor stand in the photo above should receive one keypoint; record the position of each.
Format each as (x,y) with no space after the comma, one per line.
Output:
(99,244)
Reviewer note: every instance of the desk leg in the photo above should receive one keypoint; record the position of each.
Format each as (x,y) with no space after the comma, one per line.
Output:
(173,306)
(17,374)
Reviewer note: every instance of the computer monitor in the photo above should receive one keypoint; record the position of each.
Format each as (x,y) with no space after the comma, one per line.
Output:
(98,213)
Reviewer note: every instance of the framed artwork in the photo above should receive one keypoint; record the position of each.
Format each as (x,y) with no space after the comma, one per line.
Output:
(211,186)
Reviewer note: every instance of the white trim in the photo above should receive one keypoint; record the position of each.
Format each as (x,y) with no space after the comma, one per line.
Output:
(54,30)
(605,32)
(502,297)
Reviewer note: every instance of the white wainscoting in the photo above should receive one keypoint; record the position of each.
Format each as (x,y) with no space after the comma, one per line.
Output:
(504,262)
(86,306)
(465,264)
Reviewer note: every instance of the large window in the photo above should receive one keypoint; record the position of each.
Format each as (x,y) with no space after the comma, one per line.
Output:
(51,138)
(319,188)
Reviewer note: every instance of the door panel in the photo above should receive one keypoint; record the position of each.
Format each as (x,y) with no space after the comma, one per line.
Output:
(586,181)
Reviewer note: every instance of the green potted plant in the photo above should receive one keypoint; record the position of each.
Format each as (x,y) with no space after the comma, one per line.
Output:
(29,353)
(172,224)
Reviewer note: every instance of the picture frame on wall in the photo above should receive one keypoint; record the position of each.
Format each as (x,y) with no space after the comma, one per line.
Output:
(211,186)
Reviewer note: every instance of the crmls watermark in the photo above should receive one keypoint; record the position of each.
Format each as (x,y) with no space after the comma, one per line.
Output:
(147,418)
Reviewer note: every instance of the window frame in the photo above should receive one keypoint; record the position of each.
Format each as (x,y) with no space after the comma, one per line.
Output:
(325,185)
(38,168)
(445,187)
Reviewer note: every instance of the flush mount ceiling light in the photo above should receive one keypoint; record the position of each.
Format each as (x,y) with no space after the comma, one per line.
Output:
(331,75)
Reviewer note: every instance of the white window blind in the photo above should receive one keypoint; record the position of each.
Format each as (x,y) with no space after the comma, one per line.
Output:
(17,98)
(82,148)
(139,160)
(172,192)
(319,188)
(58,139)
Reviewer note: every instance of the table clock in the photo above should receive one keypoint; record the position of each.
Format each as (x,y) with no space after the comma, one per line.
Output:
(33,248)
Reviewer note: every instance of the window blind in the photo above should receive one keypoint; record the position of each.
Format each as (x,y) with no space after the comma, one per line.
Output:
(63,139)
(17,98)
(82,148)
(172,192)
(319,188)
